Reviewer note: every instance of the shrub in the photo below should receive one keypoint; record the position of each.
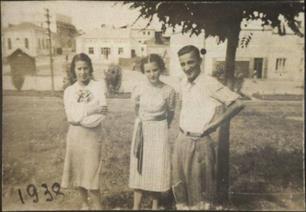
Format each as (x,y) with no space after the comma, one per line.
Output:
(18,80)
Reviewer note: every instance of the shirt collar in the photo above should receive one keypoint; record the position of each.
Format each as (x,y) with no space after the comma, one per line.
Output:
(79,87)
(194,82)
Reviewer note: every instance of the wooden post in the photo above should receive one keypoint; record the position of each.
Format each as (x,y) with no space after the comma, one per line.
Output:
(224,131)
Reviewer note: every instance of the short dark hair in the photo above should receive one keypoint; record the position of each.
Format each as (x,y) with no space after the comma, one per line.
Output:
(79,57)
(152,58)
(188,49)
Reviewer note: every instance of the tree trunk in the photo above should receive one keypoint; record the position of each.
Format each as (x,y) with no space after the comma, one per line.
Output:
(224,130)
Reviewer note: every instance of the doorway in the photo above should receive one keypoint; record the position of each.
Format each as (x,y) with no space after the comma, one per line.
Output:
(258,64)
(133,53)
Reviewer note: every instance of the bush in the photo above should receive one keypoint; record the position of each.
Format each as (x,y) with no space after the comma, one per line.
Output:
(18,80)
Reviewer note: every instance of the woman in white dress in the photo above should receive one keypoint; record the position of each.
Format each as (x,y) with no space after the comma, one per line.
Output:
(85,107)
(150,163)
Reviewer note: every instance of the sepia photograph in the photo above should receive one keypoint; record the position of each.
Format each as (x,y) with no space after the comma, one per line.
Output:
(153,105)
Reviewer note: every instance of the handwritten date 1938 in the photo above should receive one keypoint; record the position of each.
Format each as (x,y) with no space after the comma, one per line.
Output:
(31,191)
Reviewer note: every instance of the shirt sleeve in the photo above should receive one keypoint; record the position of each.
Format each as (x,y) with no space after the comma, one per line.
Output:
(94,120)
(222,93)
(75,111)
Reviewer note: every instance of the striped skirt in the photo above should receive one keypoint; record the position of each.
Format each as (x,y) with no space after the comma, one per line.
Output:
(156,165)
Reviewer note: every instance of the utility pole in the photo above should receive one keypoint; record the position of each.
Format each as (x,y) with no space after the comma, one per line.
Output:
(50,48)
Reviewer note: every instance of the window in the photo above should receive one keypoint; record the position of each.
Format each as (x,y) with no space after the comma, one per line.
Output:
(9,43)
(39,44)
(43,43)
(302,64)
(26,43)
(91,50)
(120,51)
(280,64)
(47,43)
(148,33)
(144,33)
(106,52)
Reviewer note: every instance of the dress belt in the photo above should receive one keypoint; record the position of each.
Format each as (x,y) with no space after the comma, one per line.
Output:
(156,118)
(192,134)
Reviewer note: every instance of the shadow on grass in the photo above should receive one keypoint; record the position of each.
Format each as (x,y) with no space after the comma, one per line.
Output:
(124,200)
(265,178)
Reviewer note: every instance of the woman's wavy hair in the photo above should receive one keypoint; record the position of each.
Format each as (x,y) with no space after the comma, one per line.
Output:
(153,58)
(79,57)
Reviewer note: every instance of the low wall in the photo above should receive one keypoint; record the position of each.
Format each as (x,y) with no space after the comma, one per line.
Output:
(39,83)
(251,86)
(131,78)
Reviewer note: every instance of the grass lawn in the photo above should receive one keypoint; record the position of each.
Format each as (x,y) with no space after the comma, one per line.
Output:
(266,154)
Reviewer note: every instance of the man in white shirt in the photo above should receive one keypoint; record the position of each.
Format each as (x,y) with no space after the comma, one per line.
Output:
(194,159)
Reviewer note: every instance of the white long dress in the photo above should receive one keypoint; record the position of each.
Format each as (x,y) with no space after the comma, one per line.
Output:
(83,150)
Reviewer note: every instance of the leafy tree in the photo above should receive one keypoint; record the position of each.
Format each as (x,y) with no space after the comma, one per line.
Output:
(222,19)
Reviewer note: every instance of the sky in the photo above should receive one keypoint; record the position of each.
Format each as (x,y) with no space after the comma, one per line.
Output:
(85,15)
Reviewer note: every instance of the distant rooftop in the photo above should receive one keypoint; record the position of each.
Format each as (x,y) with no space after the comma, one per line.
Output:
(24,25)
(108,32)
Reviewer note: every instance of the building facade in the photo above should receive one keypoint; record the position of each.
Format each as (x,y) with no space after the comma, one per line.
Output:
(31,34)
(28,37)
(268,55)
(107,44)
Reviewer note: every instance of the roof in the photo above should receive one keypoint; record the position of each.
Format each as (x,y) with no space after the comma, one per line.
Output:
(153,42)
(19,51)
(108,33)
(23,26)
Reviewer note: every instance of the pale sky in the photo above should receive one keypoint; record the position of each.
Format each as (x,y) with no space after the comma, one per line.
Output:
(85,15)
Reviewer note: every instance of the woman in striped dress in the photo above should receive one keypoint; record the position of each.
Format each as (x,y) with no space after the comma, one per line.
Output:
(150,151)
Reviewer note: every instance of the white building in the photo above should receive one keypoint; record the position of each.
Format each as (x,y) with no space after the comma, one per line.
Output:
(28,37)
(271,55)
(139,37)
(107,44)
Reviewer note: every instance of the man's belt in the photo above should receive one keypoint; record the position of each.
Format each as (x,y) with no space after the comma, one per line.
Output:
(192,134)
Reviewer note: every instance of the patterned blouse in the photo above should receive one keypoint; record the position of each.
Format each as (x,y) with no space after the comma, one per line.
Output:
(78,99)
(154,101)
